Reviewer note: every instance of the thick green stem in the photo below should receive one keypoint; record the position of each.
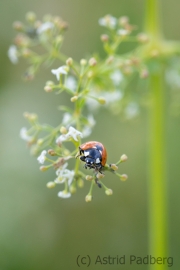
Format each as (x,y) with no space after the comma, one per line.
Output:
(152,20)
(157,181)
(157,178)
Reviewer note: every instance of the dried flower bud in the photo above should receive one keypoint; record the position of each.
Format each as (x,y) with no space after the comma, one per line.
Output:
(50,184)
(51,152)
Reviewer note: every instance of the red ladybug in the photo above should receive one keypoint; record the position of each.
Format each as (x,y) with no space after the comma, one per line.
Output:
(93,154)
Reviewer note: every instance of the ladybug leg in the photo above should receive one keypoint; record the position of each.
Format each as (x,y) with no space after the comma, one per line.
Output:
(83,158)
(99,185)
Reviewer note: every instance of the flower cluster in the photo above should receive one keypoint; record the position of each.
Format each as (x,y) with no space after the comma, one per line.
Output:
(90,83)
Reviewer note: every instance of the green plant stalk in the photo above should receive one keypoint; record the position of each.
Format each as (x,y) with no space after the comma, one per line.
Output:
(157,178)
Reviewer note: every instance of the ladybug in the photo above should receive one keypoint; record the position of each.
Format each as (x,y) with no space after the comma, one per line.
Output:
(94,155)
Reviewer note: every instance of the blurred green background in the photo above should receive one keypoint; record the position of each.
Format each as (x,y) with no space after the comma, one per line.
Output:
(38,230)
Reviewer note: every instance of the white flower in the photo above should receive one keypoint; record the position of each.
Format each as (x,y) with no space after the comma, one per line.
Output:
(44,27)
(88,129)
(132,110)
(24,135)
(13,54)
(58,71)
(64,174)
(66,118)
(123,32)
(64,194)
(72,133)
(108,21)
(173,78)
(71,83)
(42,157)
(91,120)
(110,97)
(116,77)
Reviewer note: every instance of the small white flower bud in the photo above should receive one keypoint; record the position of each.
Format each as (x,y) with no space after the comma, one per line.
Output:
(69,62)
(88,198)
(63,130)
(40,142)
(123,21)
(92,62)
(110,59)
(48,88)
(30,16)
(104,38)
(90,74)
(100,175)
(89,177)
(142,38)
(26,53)
(83,62)
(109,191)
(123,177)
(144,74)
(114,167)
(73,99)
(50,83)
(80,183)
(43,168)
(102,100)
(18,26)
(72,189)
(123,158)
(50,184)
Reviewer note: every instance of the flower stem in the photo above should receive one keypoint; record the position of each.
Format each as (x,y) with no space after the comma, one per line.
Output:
(157,179)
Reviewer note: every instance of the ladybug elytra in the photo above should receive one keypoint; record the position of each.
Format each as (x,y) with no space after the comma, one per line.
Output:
(94,155)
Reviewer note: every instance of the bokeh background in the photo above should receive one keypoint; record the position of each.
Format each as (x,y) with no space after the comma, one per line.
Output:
(38,230)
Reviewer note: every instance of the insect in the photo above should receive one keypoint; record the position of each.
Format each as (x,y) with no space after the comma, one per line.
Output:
(93,154)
